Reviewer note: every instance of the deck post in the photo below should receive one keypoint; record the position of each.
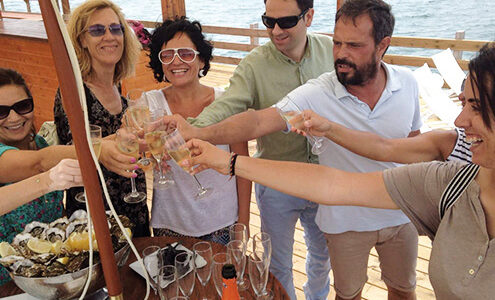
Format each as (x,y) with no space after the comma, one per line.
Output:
(459,35)
(66,9)
(173,8)
(28,6)
(254,40)
(339,3)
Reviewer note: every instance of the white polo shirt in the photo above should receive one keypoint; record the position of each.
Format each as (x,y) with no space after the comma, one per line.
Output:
(395,115)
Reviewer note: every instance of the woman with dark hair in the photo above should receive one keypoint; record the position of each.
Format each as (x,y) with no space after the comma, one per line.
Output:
(107,50)
(25,158)
(453,203)
(179,54)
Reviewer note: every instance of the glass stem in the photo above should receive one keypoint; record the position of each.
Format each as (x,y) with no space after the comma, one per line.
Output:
(133,185)
(200,187)
(159,161)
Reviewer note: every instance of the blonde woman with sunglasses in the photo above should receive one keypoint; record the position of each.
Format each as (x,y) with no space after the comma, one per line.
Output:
(107,50)
(179,54)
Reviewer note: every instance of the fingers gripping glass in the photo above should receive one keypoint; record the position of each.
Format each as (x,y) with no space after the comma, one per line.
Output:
(97,30)
(292,114)
(187,55)
(284,22)
(20,107)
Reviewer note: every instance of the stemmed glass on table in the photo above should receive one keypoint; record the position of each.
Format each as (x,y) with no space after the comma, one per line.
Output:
(167,282)
(95,134)
(128,143)
(137,113)
(259,264)
(186,273)
(236,248)
(292,114)
(219,260)
(154,135)
(152,264)
(203,272)
(176,148)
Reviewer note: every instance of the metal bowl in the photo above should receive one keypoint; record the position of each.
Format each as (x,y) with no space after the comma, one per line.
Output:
(67,286)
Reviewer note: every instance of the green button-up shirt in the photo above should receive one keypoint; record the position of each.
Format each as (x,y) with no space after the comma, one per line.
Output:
(263,78)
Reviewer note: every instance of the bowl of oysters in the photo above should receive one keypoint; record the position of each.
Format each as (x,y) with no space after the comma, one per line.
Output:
(50,261)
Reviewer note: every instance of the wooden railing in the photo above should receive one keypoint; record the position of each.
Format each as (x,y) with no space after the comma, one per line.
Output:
(457,45)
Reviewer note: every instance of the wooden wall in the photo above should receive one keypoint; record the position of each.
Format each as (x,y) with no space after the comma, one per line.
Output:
(33,59)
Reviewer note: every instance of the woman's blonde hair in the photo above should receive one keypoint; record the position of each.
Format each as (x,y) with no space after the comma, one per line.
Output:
(77,26)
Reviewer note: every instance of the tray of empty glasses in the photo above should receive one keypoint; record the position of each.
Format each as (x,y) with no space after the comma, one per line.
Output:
(152,263)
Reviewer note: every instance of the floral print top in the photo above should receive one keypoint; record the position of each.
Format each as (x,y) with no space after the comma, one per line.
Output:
(46,209)
(117,185)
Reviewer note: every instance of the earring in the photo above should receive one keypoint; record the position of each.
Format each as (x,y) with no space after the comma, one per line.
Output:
(201,73)
(165,78)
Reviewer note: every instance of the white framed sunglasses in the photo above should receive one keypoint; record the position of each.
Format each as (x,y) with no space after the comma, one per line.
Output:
(187,55)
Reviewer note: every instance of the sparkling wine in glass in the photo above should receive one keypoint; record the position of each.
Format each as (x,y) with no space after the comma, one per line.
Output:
(154,135)
(292,114)
(138,112)
(203,253)
(176,148)
(95,134)
(128,143)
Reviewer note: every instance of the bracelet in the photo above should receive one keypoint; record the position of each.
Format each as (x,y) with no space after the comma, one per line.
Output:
(233,158)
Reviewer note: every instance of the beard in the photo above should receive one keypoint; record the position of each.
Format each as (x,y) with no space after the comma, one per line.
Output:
(362,74)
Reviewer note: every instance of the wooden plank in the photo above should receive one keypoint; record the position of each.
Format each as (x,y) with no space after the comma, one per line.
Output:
(226,60)
(235,31)
(417,61)
(233,46)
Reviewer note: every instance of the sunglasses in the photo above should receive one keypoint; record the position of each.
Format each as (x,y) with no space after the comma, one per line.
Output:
(99,30)
(20,107)
(284,22)
(187,55)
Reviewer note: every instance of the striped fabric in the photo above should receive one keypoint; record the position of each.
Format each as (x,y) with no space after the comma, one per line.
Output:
(456,187)
(461,150)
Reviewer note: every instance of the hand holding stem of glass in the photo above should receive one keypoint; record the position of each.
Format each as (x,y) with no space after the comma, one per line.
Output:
(95,134)
(128,143)
(176,148)
(138,113)
(292,114)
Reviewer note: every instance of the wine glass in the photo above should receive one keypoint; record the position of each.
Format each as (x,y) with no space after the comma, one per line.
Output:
(262,242)
(203,254)
(219,260)
(176,148)
(95,134)
(151,261)
(186,273)
(292,114)
(167,282)
(137,113)
(154,132)
(237,252)
(128,143)
(258,275)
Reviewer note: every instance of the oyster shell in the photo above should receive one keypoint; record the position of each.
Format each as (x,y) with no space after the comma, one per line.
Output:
(55,268)
(36,229)
(22,239)
(55,234)
(60,223)
(76,226)
(78,215)
(78,261)
(10,260)
(43,259)
(19,267)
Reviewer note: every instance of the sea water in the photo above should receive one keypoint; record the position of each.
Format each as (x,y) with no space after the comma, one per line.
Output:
(417,18)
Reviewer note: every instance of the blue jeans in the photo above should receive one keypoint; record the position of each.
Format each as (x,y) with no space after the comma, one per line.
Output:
(279,213)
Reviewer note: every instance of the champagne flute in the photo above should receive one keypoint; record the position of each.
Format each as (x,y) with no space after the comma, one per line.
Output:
(203,252)
(95,134)
(292,114)
(151,261)
(176,148)
(238,233)
(186,273)
(128,144)
(258,275)
(262,249)
(219,260)
(137,113)
(167,282)
(154,134)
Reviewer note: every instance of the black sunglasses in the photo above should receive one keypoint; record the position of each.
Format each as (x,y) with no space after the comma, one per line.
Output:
(284,22)
(99,30)
(20,107)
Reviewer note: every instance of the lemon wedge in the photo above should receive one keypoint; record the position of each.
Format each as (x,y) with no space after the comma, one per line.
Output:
(39,246)
(6,249)
(56,247)
(80,241)
(63,260)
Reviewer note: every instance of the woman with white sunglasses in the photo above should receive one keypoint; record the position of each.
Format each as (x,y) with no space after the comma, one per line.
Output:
(180,55)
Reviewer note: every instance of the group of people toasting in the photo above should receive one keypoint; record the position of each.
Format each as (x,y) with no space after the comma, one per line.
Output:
(296,90)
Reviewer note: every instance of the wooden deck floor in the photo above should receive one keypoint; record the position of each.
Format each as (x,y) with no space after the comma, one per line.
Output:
(375,288)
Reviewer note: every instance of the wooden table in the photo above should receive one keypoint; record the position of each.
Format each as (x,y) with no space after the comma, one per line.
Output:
(135,286)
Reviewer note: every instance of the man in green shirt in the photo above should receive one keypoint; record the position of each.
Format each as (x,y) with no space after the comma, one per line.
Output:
(263,77)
